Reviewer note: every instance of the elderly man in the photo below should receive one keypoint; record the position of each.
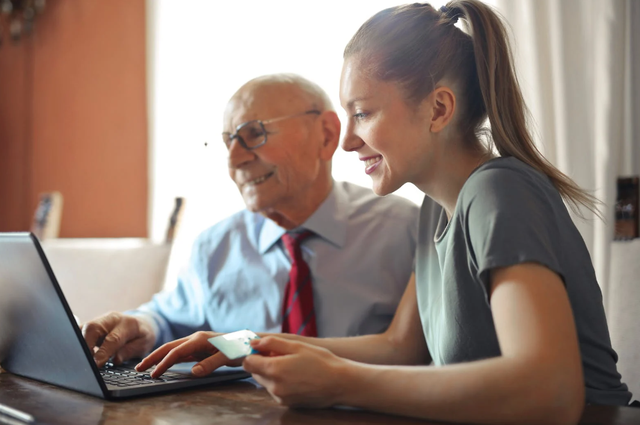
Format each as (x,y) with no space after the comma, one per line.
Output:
(309,255)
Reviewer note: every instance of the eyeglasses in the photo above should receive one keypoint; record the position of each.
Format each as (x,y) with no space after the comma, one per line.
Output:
(252,134)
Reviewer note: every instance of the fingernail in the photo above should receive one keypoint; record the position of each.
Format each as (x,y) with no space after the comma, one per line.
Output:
(197,370)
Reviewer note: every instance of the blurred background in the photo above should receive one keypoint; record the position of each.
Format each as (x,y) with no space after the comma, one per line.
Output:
(106,106)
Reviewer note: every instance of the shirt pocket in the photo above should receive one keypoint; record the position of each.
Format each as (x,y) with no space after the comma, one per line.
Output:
(244,298)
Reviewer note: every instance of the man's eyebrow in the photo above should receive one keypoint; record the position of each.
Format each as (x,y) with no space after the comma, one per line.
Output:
(232,127)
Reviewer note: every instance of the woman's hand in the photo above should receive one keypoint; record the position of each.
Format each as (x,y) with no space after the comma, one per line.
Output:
(195,347)
(295,373)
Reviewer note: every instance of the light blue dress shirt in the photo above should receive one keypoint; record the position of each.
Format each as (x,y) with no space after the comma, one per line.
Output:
(361,259)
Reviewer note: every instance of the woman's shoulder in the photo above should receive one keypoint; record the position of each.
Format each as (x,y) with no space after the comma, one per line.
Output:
(507,167)
(508,184)
(506,174)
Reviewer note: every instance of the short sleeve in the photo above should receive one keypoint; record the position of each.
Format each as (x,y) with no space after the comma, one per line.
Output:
(509,218)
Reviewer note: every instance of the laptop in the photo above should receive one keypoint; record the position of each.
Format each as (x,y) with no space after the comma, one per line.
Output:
(40,339)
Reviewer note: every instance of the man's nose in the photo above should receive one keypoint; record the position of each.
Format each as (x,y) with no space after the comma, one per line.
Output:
(238,155)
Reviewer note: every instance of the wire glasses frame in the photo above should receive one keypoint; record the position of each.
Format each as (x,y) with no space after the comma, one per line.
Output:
(252,134)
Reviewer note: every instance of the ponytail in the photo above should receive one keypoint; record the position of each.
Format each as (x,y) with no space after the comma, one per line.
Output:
(505,106)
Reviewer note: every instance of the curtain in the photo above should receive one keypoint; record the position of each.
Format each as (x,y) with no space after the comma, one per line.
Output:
(574,60)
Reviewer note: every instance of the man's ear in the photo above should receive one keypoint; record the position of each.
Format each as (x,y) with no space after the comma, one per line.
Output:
(330,134)
(443,104)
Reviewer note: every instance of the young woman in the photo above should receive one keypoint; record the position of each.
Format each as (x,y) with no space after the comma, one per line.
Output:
(504,302)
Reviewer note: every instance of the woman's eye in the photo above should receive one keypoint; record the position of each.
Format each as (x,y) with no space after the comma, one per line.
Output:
(359,115)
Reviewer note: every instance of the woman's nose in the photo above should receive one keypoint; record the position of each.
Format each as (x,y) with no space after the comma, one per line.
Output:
(351,142)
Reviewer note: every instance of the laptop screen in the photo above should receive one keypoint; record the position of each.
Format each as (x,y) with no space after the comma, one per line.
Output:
(39,336)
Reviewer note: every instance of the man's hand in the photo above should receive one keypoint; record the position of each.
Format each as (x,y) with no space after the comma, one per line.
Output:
(195,347)
(119,336)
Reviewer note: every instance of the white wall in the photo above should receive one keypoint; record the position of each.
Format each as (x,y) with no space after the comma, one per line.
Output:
(200,53)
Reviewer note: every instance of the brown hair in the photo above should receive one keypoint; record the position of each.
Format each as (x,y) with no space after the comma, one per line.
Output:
(416,46)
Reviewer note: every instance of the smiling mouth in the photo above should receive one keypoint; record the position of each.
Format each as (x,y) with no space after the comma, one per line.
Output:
(370,164)
(370,161)
(259,180)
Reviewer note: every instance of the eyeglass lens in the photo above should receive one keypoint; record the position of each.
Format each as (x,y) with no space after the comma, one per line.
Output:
(251,133)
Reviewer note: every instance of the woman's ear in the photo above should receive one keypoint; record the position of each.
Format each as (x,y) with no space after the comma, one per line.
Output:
(330,134)
(443,102)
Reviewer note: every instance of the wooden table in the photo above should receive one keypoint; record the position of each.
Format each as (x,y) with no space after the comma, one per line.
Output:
(240,402)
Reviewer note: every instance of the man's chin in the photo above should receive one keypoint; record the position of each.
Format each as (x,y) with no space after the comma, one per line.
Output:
(252,207)
(267,211)
(256,205)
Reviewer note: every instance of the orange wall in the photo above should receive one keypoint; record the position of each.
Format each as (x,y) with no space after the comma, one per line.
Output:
(73,118)
(14,199)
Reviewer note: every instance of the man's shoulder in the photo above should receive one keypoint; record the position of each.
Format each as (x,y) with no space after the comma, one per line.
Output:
(241,224)
(363,201)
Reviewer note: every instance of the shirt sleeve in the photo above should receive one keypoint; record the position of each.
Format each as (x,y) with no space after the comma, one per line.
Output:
(508,219)
(178,312)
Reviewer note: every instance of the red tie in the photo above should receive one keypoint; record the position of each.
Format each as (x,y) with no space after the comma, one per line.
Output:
(298,314)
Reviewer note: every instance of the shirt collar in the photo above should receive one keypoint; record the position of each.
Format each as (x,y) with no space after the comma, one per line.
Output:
(329,221)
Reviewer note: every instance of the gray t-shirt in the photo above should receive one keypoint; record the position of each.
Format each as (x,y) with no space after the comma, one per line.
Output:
(507,213)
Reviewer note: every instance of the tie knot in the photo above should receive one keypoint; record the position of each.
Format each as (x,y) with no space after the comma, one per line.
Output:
(292,240)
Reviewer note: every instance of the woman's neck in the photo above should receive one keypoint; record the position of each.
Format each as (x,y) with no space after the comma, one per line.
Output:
(452,169)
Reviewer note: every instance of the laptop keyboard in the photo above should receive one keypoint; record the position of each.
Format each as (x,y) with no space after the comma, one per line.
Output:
(122,376)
